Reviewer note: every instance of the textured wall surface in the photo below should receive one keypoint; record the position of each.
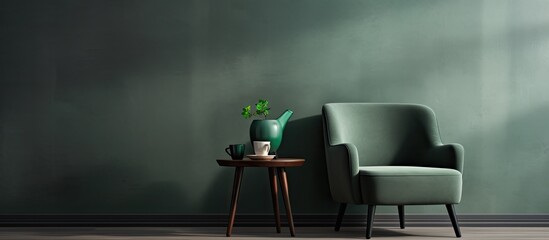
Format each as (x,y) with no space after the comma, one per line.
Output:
(123,106)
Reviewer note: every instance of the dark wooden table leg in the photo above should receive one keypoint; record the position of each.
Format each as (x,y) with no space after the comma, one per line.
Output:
(274,194)
(284,185)
(234,200)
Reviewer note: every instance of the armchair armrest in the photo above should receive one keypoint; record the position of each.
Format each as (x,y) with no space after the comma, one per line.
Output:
(342,162)
(345,152)
(446,156)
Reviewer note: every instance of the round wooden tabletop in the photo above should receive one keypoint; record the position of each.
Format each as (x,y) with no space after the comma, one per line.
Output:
(279,162)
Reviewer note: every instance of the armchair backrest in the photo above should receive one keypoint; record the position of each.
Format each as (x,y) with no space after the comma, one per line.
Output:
(384,134)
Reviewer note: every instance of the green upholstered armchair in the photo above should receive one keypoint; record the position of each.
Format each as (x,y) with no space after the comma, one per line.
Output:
(389,154)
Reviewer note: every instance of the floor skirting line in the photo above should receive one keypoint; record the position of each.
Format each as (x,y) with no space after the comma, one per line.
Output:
(381,220)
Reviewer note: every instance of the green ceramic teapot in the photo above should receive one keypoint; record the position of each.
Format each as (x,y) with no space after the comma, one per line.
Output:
(270,130)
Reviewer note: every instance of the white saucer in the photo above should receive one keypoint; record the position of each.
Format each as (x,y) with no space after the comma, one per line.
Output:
(257,157)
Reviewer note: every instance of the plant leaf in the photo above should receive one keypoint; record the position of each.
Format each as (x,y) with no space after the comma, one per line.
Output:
(246,112)
(261,108)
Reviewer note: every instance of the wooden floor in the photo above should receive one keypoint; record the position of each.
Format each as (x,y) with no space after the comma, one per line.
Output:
(172,233)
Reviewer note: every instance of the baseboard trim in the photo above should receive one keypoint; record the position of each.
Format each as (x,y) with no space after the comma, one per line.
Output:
(381,220)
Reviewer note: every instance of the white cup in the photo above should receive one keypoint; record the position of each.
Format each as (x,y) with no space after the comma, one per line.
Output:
(262,148)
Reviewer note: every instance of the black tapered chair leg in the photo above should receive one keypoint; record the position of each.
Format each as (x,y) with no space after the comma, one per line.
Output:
(342,208)
(455,224)
(401,216)
(370,220)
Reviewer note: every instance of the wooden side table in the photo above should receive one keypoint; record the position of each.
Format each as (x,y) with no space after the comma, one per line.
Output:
(273,165)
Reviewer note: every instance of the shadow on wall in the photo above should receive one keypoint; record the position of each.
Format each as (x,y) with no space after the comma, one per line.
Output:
(303,138)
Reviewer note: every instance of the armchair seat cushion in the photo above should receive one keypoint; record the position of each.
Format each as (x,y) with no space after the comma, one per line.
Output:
(396,185)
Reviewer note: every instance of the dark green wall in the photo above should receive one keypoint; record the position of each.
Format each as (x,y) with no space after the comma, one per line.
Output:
(123,106)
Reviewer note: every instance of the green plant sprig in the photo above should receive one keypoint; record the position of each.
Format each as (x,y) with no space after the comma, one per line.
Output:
(261,108)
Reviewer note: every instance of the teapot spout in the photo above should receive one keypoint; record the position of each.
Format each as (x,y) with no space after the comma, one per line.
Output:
(283,119)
